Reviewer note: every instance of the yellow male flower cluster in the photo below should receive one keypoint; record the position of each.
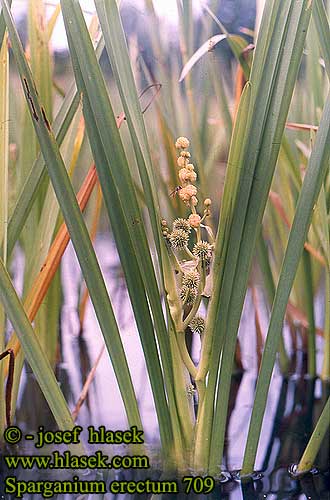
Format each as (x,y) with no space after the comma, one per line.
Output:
(187,174)
(187,192)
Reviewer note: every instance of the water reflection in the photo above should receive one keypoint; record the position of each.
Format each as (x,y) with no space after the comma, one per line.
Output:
(293,406)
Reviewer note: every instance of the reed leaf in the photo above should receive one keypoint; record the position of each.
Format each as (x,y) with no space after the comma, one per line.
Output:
(30,189)
(323,31)
(314,177)
(76,226)
(314,444)
(4,196)
(124,214)
(3,24)
(272,86)
(35,355)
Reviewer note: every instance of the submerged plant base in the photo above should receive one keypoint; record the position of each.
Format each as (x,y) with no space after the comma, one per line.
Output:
(255,476)
(295,474)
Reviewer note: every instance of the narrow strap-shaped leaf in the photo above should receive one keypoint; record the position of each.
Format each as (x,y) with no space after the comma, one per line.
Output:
(236,43)
(33,182)
(314,444)
(231,228)
(112,143)
(134,282)
(117,50)
(200,52)
(272,86)
(3,24)
(323,30)
(117,162)
(4,203)
(34,353)
(287,65)
(123,238)
(76,226)
(317,168)
(228,201)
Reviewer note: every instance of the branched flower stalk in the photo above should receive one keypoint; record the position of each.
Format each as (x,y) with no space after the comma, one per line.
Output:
(190,256)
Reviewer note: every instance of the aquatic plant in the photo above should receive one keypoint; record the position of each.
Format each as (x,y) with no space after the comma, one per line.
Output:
(190,275)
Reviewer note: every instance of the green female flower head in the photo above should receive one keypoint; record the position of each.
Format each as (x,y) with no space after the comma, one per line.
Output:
(179,238)
(188,295)
(203,250)
(182,224)
(191,280)
(197,325)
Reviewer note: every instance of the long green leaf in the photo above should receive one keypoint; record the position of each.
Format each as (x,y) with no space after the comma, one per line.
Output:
(34,180)
(117,50)
(132,275)
(34,354)
(314,444)
(120,199)
(200,52)
(76,226)
(315,174)
(215,330)
(4,195)
(3,24)
(323,30)
(296,23)
(272,87)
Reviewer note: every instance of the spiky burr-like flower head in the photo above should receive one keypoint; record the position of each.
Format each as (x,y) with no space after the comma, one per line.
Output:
(188,295)
(182,224)
(179,238)
(203,251)
(191,279)
(197,325)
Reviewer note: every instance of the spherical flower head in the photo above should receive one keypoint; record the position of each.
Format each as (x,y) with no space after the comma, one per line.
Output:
(192,176)
(184,175)
(191,190)
(182,143)
(181,162)
(179,238)
(194,220)
(190,167)
(182,224)
(191,280)
(185,154)
(184,195)
(203,251)
(187,192)
(197,325)
(207,202)
(188,295)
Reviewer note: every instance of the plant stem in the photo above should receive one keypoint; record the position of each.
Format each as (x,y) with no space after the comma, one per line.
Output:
(314,444)
(325,375)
